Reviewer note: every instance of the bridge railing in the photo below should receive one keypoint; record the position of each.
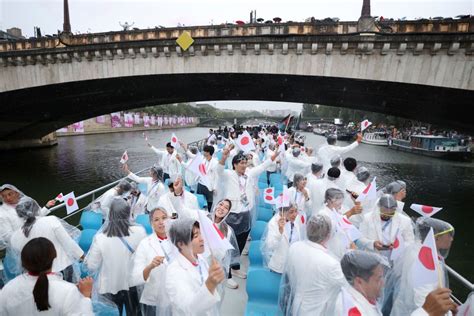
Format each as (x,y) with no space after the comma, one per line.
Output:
(246,30)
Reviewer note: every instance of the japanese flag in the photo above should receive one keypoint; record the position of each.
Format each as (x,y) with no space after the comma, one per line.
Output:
(364,124)
(268,195)
(245,142)
(213,237)
(398,247)
(369,193)
(124,158)
(425,270)
(349,229)
(425,210)
(59,197)
(280,139)
(349,307)
(198,167)
(71,203)
(174,141)
(283,200)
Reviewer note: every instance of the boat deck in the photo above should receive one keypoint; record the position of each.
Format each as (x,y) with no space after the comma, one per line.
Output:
(235,301)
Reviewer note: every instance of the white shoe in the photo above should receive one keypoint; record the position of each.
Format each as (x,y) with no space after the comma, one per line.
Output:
(245,252)
(231,284)
(239,273)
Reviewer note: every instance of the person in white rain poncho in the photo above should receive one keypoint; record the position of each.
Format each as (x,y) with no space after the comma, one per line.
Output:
(295,163)
(316,186)
(9,219)
(178,202)
(326,152)
(231,257)
(364,271)
(398,189)
(347,173)
(110,256)
(121,190)
(153,255)
(339,242)
(407,297)
(154,184)
(299,195)
(356,187)
(312,275)
(52,228)
(191,283)
(282,231)
(238,186)
(168,160)
(382,226)
(42,292)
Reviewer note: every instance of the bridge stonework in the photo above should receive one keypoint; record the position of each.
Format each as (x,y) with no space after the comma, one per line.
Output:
(417,56)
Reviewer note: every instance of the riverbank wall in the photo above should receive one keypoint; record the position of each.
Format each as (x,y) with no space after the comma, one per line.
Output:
(110,124)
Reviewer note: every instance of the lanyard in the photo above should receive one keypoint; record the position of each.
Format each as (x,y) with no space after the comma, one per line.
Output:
(291,231)
(197,265)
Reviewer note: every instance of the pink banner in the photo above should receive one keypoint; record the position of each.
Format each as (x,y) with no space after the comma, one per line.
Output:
(78,127)
(115,120)
(146,121)
(100,119)
(136,119)
(128,120)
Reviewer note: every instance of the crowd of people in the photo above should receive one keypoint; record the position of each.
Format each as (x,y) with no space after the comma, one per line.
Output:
(326,243)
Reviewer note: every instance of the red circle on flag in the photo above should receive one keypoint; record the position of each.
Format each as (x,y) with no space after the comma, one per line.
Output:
(70,202)
(268,197)
(174,139)
(269,190)
(245,140)
(426,258)
(354,311)
(280,140)
(346,221)
(202,169)
(396,243)
(302,219)
(426,209)
(218,231)
(366,123)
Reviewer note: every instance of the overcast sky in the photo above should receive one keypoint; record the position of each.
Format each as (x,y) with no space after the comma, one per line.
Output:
(105,15)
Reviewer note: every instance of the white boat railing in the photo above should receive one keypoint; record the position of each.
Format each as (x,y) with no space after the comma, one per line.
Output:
(91,193)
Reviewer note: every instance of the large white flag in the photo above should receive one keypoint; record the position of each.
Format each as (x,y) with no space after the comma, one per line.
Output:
(213,237)
(369,193)
(426,267)
(425,210)
(245,142)
(364,124)
(198,167)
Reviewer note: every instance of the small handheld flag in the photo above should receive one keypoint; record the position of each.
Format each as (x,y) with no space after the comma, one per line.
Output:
(124,158)
(71,203)
(425,210)
(369,193)
(364,124)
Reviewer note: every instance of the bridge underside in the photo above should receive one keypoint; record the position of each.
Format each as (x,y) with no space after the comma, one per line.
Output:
(35,112)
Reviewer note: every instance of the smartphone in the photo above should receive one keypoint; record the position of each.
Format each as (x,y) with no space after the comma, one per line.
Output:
(386,246)
(353,194)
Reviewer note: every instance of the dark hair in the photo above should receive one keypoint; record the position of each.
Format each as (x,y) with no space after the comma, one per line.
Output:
(158,171)
(350,164)
(168,144)
(334,172)
(119,219)
(184,233)
(238,158)
(209,149)
(331,139)
(37,258)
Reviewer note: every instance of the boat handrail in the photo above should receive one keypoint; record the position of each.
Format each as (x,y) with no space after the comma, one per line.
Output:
(199,143)
(54,208)
(460,278)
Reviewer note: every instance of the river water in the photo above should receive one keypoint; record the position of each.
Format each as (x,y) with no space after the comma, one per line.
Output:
(82,163)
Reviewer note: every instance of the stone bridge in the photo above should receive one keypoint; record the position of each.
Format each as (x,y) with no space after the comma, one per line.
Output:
(419,70)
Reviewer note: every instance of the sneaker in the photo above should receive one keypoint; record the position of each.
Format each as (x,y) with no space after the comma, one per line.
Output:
(231,284)
(240,274)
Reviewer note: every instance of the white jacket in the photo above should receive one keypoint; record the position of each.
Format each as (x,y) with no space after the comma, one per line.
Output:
(112,259)
(187,204)
(154,190)
(187,291)
(326,152)
(153,292)
(230,186)
(371,228)
(363,305)
(168,162)
(277,245)
(50,227)
(297,198)
(10,222)
(16,298)
(315,276)
(295,165)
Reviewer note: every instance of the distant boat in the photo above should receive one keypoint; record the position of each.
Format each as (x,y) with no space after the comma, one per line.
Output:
(433,146)
(376,138)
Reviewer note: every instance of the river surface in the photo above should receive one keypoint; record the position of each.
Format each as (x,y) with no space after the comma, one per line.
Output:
(82,163)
